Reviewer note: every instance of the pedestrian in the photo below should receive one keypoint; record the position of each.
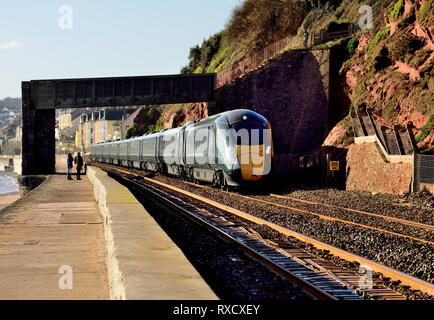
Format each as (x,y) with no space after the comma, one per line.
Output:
(79,164)
(69,165)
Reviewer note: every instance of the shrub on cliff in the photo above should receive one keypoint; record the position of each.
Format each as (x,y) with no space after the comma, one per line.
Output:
(201,57)
(403,45)
(194,60)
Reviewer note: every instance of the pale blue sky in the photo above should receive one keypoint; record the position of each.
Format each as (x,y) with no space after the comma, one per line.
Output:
(108,37)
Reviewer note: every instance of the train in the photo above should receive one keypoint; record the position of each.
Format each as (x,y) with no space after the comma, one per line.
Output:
(228,150)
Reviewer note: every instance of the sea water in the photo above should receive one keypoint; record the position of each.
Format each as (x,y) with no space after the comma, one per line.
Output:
(8,185)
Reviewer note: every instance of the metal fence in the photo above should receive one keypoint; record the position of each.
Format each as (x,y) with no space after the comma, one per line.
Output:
(423,173)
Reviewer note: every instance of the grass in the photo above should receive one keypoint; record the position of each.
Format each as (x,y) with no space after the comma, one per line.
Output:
(380,34)
(159,125)
(426,130)
(399,75)
(389,111)
(395,9)
(426,8)
(217,58)
(360,92)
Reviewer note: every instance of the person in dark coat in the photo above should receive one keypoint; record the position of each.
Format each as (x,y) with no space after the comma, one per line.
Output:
(78,160)
(69,165)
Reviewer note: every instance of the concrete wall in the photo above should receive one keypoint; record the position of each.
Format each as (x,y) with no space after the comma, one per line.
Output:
(142,261)
(292,91)
(368,170)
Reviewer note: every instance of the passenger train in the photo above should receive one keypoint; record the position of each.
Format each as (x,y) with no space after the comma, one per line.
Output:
(231,149)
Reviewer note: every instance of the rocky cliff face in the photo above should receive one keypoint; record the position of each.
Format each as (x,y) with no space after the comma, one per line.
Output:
(388,69)
(392,72)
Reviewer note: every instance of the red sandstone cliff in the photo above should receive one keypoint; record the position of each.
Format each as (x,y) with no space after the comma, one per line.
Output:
(395,78)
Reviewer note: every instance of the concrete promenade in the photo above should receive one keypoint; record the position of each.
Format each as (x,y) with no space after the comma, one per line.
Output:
(96,231)
(58,224)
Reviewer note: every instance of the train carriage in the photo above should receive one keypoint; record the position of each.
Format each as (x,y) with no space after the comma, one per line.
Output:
(230,149)
(149,152)
(134,152)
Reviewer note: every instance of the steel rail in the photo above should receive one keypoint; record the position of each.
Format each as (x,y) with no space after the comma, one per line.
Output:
(325,217)
(402,221)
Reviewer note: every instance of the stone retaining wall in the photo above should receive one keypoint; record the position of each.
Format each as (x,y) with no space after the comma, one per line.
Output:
(142,261)
(368,170)
(104,187)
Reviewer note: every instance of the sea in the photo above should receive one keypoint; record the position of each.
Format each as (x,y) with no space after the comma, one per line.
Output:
(8,185)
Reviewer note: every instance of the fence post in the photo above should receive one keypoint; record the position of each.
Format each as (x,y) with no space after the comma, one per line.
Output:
(415,174)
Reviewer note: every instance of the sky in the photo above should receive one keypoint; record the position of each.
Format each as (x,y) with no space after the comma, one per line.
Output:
(53,39)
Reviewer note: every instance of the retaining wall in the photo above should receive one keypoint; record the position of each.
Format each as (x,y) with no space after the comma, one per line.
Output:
(293,92)
(368,170)
(142,261)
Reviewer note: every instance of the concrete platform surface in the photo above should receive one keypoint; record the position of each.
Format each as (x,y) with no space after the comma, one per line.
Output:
(142,261)
(55,228)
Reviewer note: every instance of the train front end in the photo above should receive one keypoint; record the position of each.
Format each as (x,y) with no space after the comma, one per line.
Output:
(252,147)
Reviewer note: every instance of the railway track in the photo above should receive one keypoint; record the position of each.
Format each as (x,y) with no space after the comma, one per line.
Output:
(388,218)
(292,262)
(413,224)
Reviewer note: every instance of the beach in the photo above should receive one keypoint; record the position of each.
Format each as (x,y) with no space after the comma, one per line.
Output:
(9,191)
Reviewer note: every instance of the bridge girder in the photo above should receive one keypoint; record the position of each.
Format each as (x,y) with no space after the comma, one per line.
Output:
(42,97)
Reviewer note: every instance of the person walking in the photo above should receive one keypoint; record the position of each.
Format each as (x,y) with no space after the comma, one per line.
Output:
(79,164)
(69,165)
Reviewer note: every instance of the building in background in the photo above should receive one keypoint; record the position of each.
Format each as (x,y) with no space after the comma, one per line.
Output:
(98,126)
(67,116)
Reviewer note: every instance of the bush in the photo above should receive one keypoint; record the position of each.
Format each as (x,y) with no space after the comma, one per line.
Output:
(194,60)
(131,131)
(426,130)
(352,46)
(382,61)
(420,59)
(200,57)
(380,34)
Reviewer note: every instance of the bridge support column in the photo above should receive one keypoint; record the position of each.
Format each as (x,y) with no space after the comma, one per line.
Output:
(38,148)
(212,108)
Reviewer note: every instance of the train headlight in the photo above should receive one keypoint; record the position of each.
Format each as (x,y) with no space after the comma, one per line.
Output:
(268,150)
